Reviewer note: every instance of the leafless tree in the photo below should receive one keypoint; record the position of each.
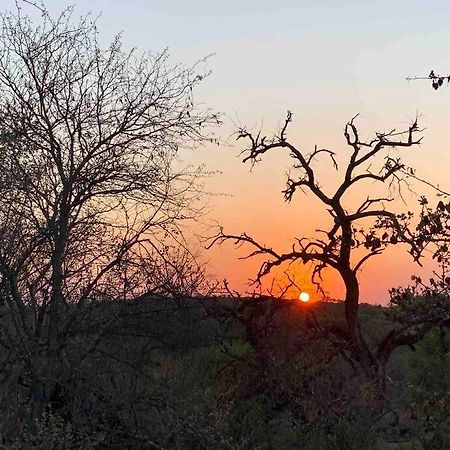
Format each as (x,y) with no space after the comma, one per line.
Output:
(91,192)
(356,234)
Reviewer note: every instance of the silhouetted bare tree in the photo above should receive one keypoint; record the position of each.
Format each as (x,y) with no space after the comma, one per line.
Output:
(91,193)
(356,234)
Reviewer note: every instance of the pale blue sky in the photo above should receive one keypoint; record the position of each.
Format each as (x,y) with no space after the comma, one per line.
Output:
(326,60)
(307,54)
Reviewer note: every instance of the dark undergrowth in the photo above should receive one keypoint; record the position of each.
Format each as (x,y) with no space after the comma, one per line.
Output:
(210,374)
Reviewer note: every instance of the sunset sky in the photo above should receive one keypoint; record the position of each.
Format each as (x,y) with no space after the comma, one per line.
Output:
(325,60)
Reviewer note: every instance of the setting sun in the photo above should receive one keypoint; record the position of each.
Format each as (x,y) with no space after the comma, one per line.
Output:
(304,297)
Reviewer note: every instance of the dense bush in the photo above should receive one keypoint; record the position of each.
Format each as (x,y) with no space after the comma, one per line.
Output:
(176,376)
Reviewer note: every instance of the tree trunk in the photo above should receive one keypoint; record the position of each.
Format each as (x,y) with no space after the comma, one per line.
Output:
(40,387)
(358,345)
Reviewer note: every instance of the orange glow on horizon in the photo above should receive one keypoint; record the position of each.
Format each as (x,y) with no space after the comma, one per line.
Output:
(247,212)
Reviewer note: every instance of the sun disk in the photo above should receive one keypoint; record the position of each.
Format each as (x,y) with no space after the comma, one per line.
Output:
(304,297)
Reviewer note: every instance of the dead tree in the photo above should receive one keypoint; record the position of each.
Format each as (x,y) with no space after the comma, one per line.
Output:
(354,236)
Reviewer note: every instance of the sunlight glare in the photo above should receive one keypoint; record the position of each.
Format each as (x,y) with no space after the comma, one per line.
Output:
(304,297)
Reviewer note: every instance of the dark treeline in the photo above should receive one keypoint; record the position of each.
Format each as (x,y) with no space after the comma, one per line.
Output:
(233,373)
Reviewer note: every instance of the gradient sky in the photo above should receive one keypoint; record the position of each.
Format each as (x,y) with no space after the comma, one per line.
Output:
(325,60)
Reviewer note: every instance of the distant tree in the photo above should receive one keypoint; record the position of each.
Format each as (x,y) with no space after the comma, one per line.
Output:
(356,234)
(91,193)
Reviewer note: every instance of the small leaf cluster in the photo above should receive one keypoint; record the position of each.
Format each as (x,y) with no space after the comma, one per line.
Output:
(437,81)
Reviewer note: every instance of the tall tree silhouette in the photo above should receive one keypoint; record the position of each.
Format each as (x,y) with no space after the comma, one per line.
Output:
(89,189)
(356,234)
